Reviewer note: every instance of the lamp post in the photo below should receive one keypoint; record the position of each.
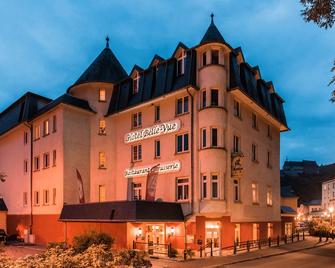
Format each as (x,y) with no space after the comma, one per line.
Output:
(331,210)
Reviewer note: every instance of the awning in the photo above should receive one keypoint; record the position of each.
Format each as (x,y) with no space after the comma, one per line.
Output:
(123,211)
(287,210)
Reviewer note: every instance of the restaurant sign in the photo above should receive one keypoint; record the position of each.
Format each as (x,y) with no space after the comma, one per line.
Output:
(143,171)
(153,131)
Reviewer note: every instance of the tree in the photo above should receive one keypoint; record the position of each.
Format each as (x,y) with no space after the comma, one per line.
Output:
(321,12)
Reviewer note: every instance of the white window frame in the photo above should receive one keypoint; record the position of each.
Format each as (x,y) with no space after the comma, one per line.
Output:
(136,83)
(215,181)
(183,138)
(136,153)
(184,184)
(181,58)
(184,105)
(137,191)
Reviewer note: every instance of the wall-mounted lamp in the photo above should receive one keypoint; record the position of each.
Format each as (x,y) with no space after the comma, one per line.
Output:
(139,232)
(172,231)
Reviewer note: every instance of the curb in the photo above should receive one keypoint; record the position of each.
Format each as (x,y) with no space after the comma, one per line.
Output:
(268,256)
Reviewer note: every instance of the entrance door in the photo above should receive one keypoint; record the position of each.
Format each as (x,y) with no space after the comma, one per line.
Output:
(288,228)
(156,237)
(237,233)
(213,238)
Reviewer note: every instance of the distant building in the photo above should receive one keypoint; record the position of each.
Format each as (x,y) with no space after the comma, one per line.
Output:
(288,209)
(310,210)
(304,167)
(328,194)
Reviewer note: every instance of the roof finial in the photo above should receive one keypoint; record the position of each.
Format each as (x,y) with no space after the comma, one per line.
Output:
(212,17)
(107,41)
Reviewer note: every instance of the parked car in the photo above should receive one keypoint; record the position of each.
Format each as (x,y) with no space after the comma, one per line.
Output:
(3,236)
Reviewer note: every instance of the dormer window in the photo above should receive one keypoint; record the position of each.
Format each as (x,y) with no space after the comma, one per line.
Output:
(102,95)
(136,83)
(215,56)
(181,63)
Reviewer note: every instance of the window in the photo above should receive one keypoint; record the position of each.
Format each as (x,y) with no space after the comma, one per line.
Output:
(204,187)
(182,189)
(54,196)
(137,120)
(203,138)
(25,198)
(181,63)
(136,152)
(270,229)
(214,97)
(214,137)
(102,95)
(236,191)
(45,197)
(236,145)
(54,123)
(269,132)
(215,56)
(203,99)
(37,132)
(102,127)
(255,231)
(46,128)
(54,157)
(182,105)
(37,198)
(237,108)
(36,163)
(102,160)
(254,152)
(136,83)
(25,137)
(204,59)
(182,143)
(215,188)
(46,160)
(269,159)
(254,121)
(288,228)
(254,188)
(137,191)
(25,166)
(269,196)
(157,148)
(102,193)
(157,113)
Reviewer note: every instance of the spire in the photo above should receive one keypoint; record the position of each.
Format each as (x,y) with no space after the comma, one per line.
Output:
(107,41)
(212,34)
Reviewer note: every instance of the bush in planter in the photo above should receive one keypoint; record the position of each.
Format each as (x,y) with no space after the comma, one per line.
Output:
(83,242)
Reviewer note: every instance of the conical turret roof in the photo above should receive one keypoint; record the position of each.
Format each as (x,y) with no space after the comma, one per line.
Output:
(212,34)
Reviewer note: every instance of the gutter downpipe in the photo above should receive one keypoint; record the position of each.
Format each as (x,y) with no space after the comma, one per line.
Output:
(31,176)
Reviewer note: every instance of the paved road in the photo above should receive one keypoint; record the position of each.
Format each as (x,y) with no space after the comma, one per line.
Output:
(310,258)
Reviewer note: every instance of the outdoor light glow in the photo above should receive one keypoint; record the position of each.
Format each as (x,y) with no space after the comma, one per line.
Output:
(331,209)
(172,231)
(139,231)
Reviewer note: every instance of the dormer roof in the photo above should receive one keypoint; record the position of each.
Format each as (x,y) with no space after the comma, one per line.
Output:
(155,60)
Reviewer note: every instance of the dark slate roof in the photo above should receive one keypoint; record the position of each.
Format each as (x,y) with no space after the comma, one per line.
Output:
(156,58)
(65,99)
(123,211)
(303,163)
(314,202)
(3,206)
(242,76)
(212,34)
(21,111)
(287,210)
(287,191)
(105,68)
(154,83)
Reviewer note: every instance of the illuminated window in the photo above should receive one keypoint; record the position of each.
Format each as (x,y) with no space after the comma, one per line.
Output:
(46,160)
(102,160)
(137,120)
(45,197)
(136,83)
(182,105)
(215,56)
(254,188)
(102,127)
(136,152)
(37,132)
(137,191)
(182,189)
(215,186)
(102,193)
(255,231)
(46,128)
(102,95)
(237,108)
(181,63)
(269,196)
(157,148)
(270,229)
(182,143)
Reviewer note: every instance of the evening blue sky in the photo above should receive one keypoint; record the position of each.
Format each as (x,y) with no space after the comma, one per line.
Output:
(46,45)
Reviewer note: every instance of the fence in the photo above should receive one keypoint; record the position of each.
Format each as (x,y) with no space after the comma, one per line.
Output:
(154,248)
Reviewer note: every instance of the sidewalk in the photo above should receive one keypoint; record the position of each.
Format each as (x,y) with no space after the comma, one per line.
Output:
(213,262)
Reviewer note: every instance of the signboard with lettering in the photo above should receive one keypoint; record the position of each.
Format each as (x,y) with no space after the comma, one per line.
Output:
(236,165)
(153,131)
(143,171)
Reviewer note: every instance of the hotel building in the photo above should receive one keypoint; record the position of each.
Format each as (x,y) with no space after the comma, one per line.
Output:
(183,151)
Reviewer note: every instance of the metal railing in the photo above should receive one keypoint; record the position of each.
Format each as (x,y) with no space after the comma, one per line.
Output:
(154,248)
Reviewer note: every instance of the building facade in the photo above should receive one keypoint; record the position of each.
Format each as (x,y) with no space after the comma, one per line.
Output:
(200,130)
(328,195)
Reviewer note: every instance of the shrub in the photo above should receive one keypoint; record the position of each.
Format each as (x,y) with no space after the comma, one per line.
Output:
(83,242)
(62,245)
(136,259)
(173,253)
(190,253)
